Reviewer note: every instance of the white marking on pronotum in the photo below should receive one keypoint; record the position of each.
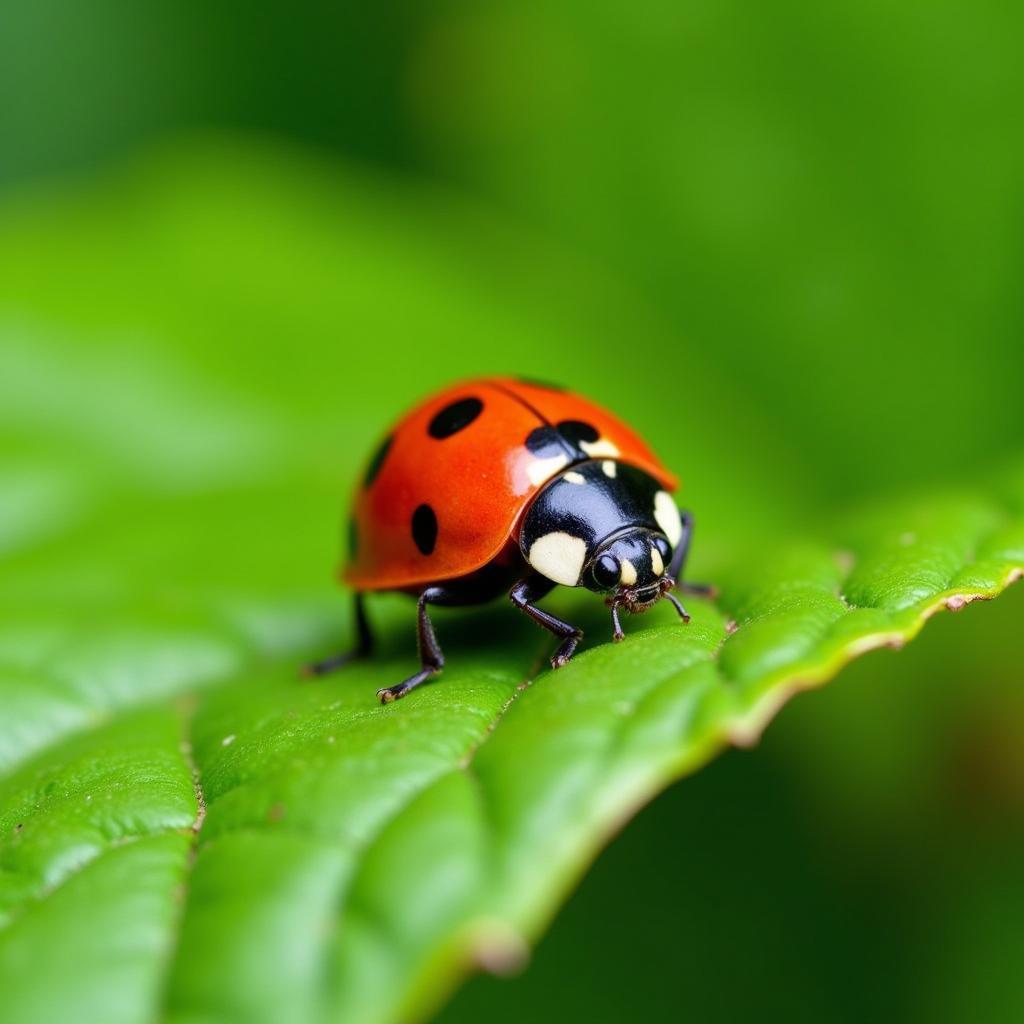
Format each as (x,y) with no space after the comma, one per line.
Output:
(541,470)
(627,574)
(667,516)
(559,556)
(656,562)
(609,468)
(575,478)
(595,449)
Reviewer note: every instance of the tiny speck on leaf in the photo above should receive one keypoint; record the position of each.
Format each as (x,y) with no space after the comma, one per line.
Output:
(844,560)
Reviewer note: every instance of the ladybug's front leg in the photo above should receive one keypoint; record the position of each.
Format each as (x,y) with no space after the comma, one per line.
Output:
(533,588)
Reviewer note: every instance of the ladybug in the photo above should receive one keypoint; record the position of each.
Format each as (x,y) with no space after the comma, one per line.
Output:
(511,486)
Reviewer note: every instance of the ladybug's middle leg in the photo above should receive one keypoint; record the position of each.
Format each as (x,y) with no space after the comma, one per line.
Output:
(533,588)
(431,655)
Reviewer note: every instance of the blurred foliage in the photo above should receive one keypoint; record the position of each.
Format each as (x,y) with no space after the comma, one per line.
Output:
(820,204)
(784,242)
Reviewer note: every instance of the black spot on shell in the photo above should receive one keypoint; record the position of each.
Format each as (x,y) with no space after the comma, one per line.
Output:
(545,442)
(455,417)
(377,461)
(424,529)
(576,431)
(565,439)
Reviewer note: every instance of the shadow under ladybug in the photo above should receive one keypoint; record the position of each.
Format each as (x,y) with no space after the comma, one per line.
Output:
(595,512)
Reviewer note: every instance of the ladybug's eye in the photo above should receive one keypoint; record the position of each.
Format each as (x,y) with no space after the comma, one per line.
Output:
(606,571)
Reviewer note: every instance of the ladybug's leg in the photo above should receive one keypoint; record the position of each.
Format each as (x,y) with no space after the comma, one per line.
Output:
(533,588)
(431,656)
(675,569)
(363,648)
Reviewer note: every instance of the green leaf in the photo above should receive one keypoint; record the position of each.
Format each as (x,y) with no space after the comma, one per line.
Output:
(188,832)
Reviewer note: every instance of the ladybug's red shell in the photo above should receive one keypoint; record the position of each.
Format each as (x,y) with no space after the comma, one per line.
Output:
(444,493)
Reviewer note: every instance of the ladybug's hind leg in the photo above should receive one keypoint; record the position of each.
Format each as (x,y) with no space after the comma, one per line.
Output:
(431,655)
(675,569)
(682,549)
(363,648)
(533,588)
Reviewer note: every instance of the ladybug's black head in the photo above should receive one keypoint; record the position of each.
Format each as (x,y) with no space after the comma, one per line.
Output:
(606,526)
(630,568)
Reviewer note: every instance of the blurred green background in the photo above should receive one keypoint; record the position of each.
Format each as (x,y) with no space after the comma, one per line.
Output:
(786,241)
